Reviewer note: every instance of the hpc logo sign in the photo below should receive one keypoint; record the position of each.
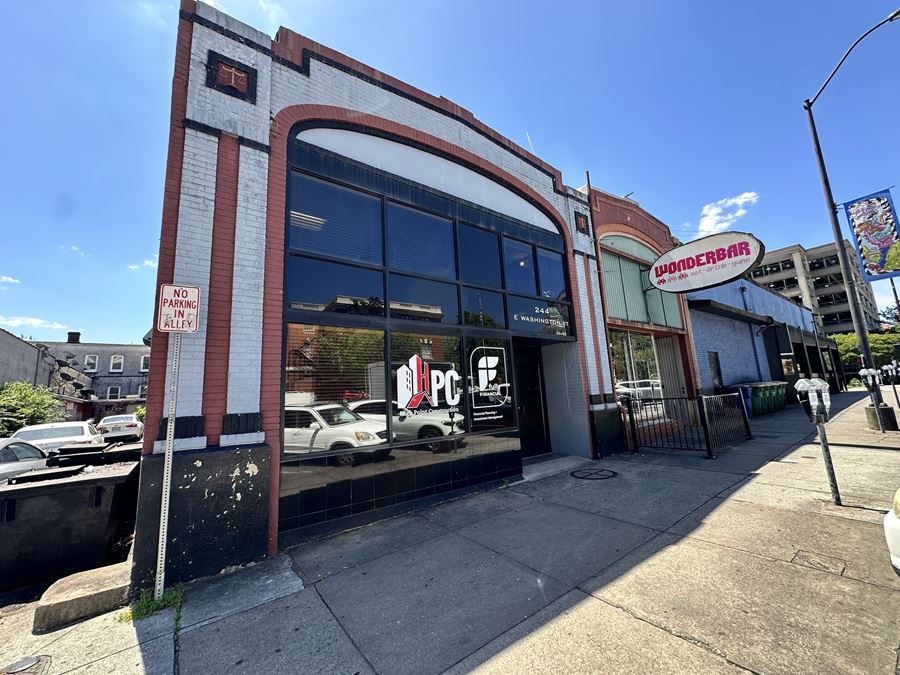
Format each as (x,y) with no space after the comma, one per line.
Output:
(179,309)
(417,382)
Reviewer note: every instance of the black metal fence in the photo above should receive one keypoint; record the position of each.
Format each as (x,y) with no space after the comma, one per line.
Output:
(702,423)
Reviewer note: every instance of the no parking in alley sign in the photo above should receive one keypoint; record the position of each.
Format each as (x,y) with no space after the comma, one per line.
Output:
(179,309)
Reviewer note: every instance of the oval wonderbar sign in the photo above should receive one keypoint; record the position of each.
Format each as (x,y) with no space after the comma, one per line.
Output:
(703,263)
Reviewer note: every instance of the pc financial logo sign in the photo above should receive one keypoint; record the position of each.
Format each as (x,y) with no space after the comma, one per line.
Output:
(707,262)
(488,367)
(418,382)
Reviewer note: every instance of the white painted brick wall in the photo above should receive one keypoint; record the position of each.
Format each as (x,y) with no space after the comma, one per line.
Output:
(192,260)
(217,109)
(244,359)
(584,325)
(600,340)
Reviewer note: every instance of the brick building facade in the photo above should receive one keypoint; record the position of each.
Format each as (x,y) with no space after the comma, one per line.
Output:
(272,143)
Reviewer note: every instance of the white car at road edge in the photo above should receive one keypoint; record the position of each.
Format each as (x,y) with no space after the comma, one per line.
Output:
(57,434)
(892,532)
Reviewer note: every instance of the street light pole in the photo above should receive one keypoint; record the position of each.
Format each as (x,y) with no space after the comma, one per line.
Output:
(859,328)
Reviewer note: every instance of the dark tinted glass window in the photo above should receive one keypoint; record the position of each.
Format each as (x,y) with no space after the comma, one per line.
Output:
(334,220)
(518,261)
(490,393)
(423,300)
(331,287)
(537,316)
(479,256)
(420,242)
(483,308)
(551,275)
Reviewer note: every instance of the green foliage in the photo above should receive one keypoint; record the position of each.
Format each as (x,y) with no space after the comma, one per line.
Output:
(22,405)
(881,344)
(146,606)
(140,412)
(855,383)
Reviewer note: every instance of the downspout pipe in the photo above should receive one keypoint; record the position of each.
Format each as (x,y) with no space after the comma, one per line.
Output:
(752,334)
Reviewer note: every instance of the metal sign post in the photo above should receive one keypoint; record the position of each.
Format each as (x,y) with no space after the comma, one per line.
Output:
(179,312)
(819,400)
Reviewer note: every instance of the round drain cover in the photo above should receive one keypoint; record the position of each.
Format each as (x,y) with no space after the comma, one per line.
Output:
(31,665)
(593,474)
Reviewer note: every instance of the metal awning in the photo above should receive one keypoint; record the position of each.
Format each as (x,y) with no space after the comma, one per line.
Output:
(729,312)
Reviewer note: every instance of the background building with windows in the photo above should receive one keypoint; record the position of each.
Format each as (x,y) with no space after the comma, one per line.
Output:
(813,278)
(118,372)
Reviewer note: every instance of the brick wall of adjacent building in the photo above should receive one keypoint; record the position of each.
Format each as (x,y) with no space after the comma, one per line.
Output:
(733,341)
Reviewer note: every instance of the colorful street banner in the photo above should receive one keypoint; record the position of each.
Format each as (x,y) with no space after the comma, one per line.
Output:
(873,223)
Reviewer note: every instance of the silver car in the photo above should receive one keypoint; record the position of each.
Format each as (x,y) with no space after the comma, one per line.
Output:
(18,457)
(121,427)
(57,434)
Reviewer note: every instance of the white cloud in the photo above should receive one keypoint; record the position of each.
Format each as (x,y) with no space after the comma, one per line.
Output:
(275,14)
(30,322)
(8,280)
(147,263)
(160,16)
(74,249)
(721,215)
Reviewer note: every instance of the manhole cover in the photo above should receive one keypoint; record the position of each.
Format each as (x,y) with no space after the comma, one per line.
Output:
(31,665)
(593,474)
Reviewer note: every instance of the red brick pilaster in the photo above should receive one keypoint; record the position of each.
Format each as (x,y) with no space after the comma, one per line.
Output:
(171,202)
(221,277)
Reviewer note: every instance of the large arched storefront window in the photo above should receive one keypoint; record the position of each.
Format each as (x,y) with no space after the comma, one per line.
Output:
(645,323)
(403,308)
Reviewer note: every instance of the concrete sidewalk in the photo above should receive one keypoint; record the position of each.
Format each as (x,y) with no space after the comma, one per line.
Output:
(677,563)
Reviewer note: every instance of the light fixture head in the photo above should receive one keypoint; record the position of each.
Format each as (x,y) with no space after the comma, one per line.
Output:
(894,15)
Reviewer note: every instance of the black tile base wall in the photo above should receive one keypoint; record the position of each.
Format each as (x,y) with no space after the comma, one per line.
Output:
(356,495)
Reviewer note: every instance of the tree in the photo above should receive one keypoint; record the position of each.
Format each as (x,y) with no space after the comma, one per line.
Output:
(881,344)
(140,412)
(22,405)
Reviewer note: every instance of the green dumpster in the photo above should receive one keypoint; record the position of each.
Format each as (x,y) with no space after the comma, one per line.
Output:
(757,400)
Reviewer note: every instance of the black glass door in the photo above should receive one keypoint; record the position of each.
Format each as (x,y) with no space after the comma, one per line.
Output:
(534,432)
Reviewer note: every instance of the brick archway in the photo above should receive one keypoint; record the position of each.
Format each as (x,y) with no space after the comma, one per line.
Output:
(273,300)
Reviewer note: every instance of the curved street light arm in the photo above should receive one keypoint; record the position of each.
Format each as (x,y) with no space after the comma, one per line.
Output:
(894,15)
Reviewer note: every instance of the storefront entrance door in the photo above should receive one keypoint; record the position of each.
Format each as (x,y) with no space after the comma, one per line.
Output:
(533,430)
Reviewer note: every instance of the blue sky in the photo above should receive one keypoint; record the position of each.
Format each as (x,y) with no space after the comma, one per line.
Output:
(695,107)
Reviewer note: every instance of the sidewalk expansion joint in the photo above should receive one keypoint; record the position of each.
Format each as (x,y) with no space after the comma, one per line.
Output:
(687,637)
(346,632)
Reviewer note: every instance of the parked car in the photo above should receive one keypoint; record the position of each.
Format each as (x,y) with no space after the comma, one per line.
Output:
(18,457)
(52,436)
(892,532)
(408,426)
(638,390)
(121,427)
(331,426)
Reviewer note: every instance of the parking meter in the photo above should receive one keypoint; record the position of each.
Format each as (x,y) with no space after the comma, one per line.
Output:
(891,372)
(815,394)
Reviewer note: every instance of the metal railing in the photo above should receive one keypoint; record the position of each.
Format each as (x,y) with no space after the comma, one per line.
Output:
(680,423)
